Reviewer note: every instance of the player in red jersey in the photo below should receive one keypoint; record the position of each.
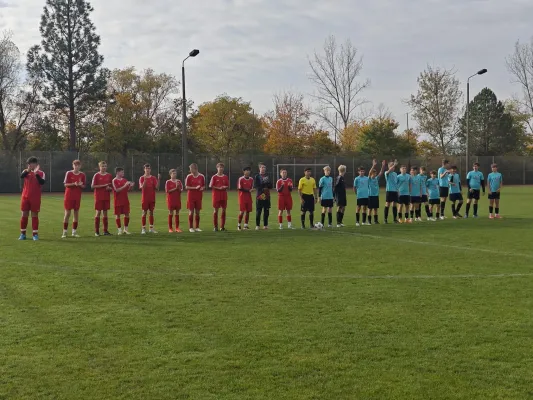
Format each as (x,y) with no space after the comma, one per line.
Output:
(245,187)
(219,185)
(195,185)
(121,187)
(30,200)
(74,184)
(284,188)
(173,189)
(102,186)
(148,185)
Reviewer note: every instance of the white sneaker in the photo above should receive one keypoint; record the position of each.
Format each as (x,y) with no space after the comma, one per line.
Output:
(367,223)
(290,226)
(330,226)
(281,227)
(64,235)
(357,224)
(257,228)
(126,232)
(192,230)
(339,226)
(152,231)
(96,234)
(442,218)
(198,230)
(143,231)
(119,231)
(75,234)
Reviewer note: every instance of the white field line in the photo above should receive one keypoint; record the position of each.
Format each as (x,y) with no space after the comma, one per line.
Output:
(269,276)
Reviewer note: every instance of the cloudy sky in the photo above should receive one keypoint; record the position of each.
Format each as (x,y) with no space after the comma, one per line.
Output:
(254,48)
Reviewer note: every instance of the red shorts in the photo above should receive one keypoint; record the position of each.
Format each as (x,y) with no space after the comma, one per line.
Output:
(174,206)
(220,203)
(245,205)
(71,204)
(148,205)
(30,205)
(284,203)
(102,205)
(122,210)
(194,203)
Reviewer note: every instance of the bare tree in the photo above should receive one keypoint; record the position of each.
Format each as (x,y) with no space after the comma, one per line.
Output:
(335,75)
(436,106)
(520,65)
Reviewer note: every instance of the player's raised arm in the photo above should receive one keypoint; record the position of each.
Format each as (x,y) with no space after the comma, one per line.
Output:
(383,164)
(40,176)
(443,174)
(142,182)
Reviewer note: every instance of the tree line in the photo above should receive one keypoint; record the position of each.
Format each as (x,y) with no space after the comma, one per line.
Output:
(68,100)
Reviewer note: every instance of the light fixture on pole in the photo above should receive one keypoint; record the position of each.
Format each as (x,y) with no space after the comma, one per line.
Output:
(480,72)
(184,149)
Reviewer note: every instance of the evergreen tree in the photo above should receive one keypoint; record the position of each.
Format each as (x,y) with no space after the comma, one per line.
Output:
(67,60)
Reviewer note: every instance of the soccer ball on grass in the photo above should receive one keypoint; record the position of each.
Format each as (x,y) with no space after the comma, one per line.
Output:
(319,225)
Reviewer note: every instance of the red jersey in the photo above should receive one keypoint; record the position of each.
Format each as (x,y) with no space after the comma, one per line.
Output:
(121,198)
(102,194)
(32,187)
(194,181)
(218,181)
(285,185)
(74,193)
(148,191)
(247,184)
(173,198)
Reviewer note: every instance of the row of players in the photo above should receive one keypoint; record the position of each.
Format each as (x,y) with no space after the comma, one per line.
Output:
(404,192)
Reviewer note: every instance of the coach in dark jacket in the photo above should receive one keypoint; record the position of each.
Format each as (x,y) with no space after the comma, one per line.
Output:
(262,185)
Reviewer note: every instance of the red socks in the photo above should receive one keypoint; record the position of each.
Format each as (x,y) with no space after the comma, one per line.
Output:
(117,220)
(240,218)
(106,224)
(151,219)
(143,219)
(23,224)
(215,219)
(170,222)
(190,221)
(35,224)
(289,219)
(74,225)
(126,222)
(65,226)
(97,224)
(197,220)
(280,219)
(223,222)
(177,220)
(246,218)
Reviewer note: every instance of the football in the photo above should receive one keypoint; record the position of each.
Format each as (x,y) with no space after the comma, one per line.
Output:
(319,225)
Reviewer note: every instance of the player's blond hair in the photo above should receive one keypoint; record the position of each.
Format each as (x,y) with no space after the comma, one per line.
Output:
(327,168)
(102,163)
(342,168)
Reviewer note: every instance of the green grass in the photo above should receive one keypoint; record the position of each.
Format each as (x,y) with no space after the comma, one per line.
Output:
(426,311)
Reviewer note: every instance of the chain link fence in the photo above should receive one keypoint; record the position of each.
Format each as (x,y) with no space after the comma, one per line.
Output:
(516,170)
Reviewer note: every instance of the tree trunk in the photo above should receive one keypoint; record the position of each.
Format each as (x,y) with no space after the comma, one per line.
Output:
(72,128)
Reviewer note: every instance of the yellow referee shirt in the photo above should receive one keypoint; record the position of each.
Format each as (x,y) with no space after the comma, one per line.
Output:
(307,186)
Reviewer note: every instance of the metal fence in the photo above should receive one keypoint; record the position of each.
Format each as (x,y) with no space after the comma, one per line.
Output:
(516,170)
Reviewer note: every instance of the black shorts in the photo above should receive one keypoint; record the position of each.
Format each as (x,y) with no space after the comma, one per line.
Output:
(424,198)
(262,204)
(391,197)
(373,202)
(444,191)
(309,203)
(404,200)
(362,202)
(416,199)
(341,201)
(494,196)
(456,197)
(474,194)
(326,203)
(434,202)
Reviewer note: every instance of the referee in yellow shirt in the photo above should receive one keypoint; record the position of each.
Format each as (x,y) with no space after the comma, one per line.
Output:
(308,197)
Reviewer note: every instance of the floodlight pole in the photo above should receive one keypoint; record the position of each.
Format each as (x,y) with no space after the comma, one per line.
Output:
(184,149)
(480,72)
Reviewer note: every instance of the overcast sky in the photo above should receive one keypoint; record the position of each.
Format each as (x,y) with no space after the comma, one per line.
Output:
(254,48)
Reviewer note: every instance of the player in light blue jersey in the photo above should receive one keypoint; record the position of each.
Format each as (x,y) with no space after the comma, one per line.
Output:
(391,195)
(424,178)
(416,195)
(373,184)
(361,189)
(495,181)
(325,190)
(475,181)
(444,187)
(432,185)
(404,191)
(456,195)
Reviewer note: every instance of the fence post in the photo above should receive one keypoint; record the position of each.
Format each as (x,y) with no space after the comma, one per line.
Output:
(314,167)
(524,171)
(158,170)
(229,172)
(50,170)
(20,168)
(206,174)
(294,168)
(132,167)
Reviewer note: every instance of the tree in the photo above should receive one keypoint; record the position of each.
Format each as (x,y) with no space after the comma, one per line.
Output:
(379,137)
(18,103)
(350,136)
(67,60)
(520,65)
(492,130)
(319,143)
(288,126)
(436,106)
(335,74)
(227,126)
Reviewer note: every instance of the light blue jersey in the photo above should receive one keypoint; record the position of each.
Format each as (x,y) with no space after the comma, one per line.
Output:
(443,182)
(373,184)
(474,179)
(325,186)
(416,186)
(404,184)
(432,185)
(495,180)
(361,185)
(391,179)
(455,183)
(424,180)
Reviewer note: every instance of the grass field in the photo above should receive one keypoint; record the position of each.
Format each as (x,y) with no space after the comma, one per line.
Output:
(424,311)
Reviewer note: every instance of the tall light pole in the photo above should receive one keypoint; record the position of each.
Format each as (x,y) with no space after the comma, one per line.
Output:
(184,149)
(110,100)
(480,72)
